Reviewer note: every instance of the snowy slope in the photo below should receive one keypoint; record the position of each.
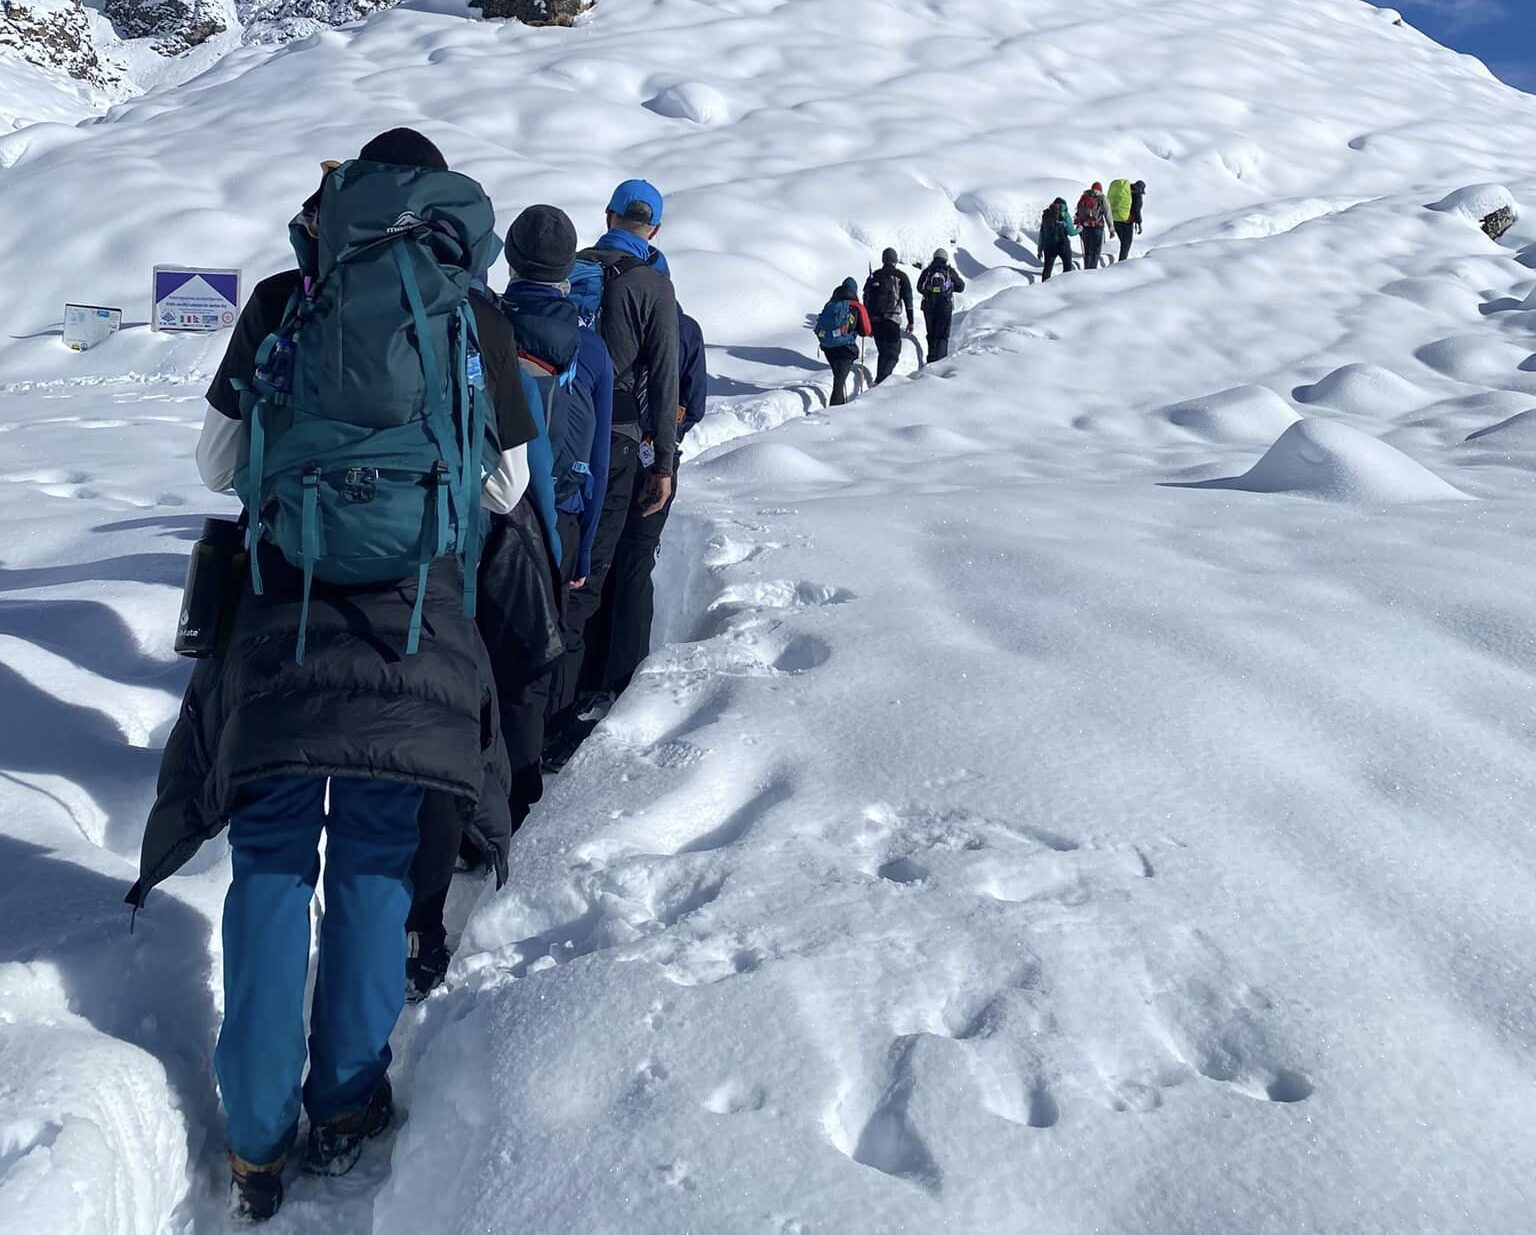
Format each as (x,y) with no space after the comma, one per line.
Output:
(1086,787)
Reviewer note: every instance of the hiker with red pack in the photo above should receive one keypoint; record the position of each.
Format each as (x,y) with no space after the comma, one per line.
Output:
(1092,220)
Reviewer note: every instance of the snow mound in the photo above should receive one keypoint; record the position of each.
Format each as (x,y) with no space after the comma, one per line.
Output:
(1477,202)
(1475,358)
(771,463)
(1333,462)
(1241,414)
(1365,389)
(89,1137)
(691,100)
(1518,431)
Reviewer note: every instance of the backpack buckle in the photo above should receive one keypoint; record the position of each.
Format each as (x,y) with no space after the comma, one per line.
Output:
(359,484)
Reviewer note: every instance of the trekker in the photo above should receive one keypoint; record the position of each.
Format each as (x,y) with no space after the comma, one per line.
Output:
(622,286)
(887,294)
(345,696)
(839,327)
(1092,220)
(1125,208)
(535,551)
(937,286)
(619,638)
(1056,232)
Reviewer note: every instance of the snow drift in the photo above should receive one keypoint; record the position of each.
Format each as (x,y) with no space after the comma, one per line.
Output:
(1002,839)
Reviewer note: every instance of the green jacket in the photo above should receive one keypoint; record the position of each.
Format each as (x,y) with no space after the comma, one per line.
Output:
(1120,201)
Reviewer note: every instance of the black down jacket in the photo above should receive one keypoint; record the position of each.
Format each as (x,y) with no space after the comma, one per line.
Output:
(357,706)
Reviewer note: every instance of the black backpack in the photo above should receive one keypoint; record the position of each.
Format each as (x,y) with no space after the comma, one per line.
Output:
(882,294)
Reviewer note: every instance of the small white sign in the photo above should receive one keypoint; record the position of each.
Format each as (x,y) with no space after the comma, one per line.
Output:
(195,300)
(86,325)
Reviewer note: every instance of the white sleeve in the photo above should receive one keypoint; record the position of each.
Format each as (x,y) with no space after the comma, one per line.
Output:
(505,489)
(218,451)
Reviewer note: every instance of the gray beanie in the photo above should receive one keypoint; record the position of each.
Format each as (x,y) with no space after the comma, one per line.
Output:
(541,245)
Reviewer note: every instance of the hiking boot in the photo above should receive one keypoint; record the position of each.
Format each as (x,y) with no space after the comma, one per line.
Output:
(335,1145)
(255,1192)
(426,963)
(561,747)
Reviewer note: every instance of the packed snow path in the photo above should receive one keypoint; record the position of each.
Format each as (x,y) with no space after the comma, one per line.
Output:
(1083,788)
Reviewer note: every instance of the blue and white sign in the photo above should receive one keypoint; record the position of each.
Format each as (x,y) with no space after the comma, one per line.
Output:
(194,300)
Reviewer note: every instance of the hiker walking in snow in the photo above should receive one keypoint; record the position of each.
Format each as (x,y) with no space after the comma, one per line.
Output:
(349,692)
(623,622)
(887,297)
(621,285)
(1092,220)
(839,327)
(1125,201)
(535,552)
(937,286)
(1056,232)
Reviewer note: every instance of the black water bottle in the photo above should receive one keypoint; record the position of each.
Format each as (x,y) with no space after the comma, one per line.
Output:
(212,589)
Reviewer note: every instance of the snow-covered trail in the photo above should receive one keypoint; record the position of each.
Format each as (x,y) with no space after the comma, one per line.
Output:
(1084,787)
(1016,840)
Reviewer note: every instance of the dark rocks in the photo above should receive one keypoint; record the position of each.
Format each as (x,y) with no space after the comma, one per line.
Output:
(175,25)
(534,12)
(1499,222)
(55,35)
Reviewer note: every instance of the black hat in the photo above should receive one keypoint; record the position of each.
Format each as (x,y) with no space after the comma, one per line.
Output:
(890,257)
(541,244)
(404,148)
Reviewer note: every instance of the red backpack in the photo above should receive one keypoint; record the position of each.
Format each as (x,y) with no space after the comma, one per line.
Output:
(1089,211)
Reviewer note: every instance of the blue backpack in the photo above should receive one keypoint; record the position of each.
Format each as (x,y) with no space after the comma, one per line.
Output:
(837,326)
(590,276)
(369,439)
(549,347)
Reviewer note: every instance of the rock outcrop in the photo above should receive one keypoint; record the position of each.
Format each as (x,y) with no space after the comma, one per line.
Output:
(534,12)
(55,35)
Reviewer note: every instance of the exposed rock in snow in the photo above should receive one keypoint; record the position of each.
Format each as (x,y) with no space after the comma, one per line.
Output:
(55,35)
(282,21)
(1491,206)
(534,12)
(175,25)
(1323,459)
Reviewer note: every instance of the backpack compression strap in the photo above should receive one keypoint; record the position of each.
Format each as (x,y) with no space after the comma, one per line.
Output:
(439,423)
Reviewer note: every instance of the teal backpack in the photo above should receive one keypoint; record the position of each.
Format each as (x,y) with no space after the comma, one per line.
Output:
(369,434)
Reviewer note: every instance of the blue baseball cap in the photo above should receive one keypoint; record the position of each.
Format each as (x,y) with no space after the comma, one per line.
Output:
(639,201)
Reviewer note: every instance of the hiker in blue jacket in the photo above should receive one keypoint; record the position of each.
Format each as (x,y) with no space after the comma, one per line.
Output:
(541,250)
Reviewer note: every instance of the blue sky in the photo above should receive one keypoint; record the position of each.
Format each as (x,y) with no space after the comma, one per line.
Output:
(1500,33)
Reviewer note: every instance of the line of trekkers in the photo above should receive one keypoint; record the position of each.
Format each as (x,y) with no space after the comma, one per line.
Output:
(846,321)
(452,504)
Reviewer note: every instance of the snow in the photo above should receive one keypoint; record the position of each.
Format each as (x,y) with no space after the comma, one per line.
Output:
(1018,826)
(1317,458)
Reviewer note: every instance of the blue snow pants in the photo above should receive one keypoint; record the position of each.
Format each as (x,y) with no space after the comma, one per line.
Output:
(274,835)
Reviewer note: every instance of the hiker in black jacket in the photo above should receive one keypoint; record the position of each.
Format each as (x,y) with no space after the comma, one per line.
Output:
(887,296)
(937,286)
(354,741)
(638,320)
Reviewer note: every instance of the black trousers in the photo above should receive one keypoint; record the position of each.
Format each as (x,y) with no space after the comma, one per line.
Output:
(581,605)
(619,637)
(1127,233)
(1062,251)
(516,560)
(888,343)
(842,360)
(1093,247)
(938,318)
